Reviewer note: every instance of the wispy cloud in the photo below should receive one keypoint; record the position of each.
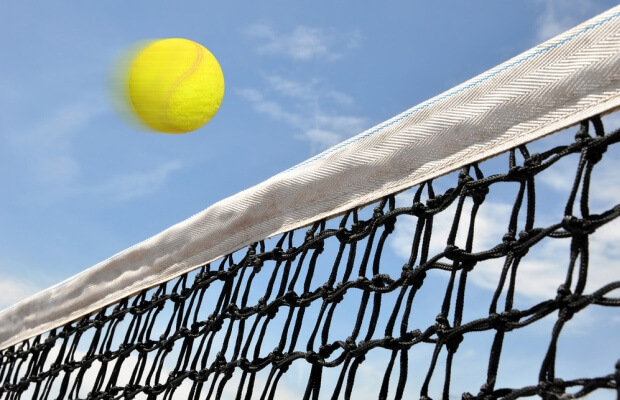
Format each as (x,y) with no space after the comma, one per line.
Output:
(136,184)
(269,107)
(315,111)
(293,89)
(558,16)
(330,130)
(45,148)
(298,105)
(309,91)
(14,291)
(303,43)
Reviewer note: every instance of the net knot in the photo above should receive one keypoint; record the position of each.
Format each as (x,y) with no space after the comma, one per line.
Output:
(201,277)
(276,353)
(361,282)
(389,224)
(284,364)
(82,324)
(509,238)
(343,235)
(381,281)
(327,291)
(477,193)
(131,387)
(415,279)
(411,335)
(184,332)
(279,360)
(312,357)
(98,323)
(436,202)
(568,303)
(443,329)
(256,262)
(357,227)
(315,244)
(214,323)
(595,154)
(54,368)
(165,344)
(518,173)
(277,253)
(465,177)
(391,343)
(141,347)
(584,132)
(220,361)
(222,275)
(291,298)
(175,297)
(452,252)
(555,390)
(349,344)
(325,351)
(533,160)
(417,208)
(244,363)
(503,322)
(233,310)
(577,226)
(468,265)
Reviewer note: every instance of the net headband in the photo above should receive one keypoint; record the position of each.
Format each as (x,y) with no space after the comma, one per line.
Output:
(555,85)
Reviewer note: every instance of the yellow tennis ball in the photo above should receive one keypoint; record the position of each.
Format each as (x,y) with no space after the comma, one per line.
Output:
(175,85)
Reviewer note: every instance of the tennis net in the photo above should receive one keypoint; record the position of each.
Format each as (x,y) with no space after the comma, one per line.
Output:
(373,270)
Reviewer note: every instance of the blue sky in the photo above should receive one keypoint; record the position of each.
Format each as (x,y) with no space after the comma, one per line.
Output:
(81,184)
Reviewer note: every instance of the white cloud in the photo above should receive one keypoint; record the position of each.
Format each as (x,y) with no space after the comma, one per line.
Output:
(333,129)
(320,139)
(301,104)
(269,107)
(60,168)
(14,291)
(303,43)
(293,89)
(129,186)
(560,15)
(45,148)
(339,98)
(321,129)
(251,95)
(308,92)
(341,123)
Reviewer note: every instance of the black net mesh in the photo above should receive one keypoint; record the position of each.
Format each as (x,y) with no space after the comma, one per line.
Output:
(459,287)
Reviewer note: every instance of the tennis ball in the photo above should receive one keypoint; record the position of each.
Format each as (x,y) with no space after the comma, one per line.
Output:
(175,85)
